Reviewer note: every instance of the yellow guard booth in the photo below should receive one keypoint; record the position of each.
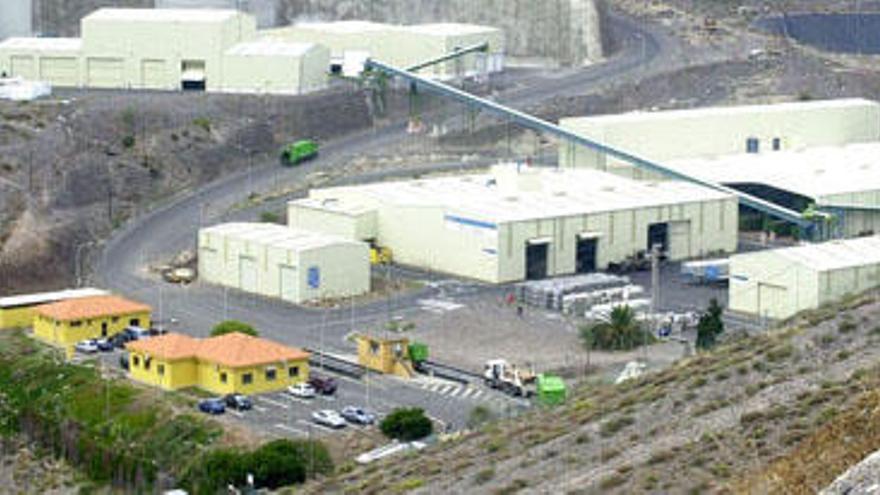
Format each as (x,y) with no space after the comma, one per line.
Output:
(231,363)
(65,323)
(390,356)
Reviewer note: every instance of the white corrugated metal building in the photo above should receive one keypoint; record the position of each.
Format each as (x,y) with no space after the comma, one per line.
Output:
(403,46)
(516,222)
(845,178)
(779,283)
(708,132)
(276,261)
(169,49)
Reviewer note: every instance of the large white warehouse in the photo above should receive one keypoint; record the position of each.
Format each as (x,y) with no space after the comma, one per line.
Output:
(842,180)
(779,283)
(709,132)
(517,223)
(275,261)
(403,46)
(169,49)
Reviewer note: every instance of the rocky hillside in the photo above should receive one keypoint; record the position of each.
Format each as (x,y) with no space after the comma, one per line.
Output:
(71,169)
(783,413)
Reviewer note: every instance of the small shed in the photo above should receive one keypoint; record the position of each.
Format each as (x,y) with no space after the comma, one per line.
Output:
(275,261)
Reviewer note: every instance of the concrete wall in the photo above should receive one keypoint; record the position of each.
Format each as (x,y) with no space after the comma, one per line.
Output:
(15,18)
(702,133)
(564,30)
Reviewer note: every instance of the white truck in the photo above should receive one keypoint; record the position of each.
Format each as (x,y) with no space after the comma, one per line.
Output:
(501,375)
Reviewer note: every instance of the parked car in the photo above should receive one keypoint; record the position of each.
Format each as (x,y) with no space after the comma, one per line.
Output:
(104,345)
(212,406)
(356,415)
(89,346)
(156,331)
(123,361)
(119,340)
(324,385)
(239,402)
(136,333)
(301,390)
(328,417)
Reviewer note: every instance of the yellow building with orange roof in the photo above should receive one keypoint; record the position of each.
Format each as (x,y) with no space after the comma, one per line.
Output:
(65,323)
(231,363)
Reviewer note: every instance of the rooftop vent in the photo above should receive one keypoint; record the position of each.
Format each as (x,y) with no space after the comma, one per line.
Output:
(607,189)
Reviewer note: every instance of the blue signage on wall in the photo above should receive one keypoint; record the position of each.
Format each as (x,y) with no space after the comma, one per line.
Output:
(314,277)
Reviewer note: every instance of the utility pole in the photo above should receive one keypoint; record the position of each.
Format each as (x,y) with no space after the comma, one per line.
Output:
(655,292)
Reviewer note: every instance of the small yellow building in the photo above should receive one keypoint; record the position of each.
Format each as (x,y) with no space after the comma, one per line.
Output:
(67,322)
(18,311)
(389,356)
(231,363)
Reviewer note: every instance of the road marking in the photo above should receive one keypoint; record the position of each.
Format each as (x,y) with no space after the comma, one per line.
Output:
(291,429)
(467,393)
(316,425)
(455,391)
(272,402)
(300,400)
(479,393)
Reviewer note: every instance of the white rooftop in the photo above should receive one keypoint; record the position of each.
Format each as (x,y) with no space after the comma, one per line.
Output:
(268,47)
(640,116)
(814,172)
(162,15)
(834,255)
(508,195)
(346,207)
(276,236)
(449,28)
(346,27)
(48,297)
(42,44)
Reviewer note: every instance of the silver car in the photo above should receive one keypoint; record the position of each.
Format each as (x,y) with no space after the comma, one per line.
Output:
(328,417)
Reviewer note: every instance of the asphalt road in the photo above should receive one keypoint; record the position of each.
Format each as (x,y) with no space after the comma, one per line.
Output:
(158,234)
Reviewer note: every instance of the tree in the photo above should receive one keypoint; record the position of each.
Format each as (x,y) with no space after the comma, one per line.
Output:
(710,325)
(407,424)
(232,326)
(621,332)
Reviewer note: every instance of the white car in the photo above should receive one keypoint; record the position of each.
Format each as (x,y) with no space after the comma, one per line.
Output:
(302,390)
(89,346)
(328,417)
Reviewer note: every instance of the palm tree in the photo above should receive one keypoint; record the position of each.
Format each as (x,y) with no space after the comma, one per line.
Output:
(621,332)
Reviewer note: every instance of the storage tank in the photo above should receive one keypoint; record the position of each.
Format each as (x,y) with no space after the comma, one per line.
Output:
(15,18)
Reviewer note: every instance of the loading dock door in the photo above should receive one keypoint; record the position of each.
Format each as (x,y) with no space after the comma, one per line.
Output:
(23,66)
(587,247)
(536,260)
(60,71)
(658,235)
(192,75)
(288,283)
(247,274)
(105,72)
(153,74)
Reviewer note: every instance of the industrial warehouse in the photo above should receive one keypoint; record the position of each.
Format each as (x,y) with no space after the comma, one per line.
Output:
(778,283)
(275,261)
(350,42)
(516,222)
(663,136)
(211,50)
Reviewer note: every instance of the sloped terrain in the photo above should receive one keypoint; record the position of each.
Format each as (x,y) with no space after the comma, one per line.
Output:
(781,413)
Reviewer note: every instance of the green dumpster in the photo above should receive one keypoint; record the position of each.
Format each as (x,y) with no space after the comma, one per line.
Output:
(551,390)
(298,152)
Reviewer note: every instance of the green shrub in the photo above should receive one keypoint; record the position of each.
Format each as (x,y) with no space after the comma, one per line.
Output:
(484,476)
(270,217)
(128,141)
(621,333)
(202,122)
(846,326)
(407,424)
(233,326)
(612,426)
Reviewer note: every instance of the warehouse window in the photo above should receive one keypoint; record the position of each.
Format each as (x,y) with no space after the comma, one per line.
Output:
(136,361)
(271,374)
(777,144)
(223,377)
(293,371)
(76,323)
(247,378)
(753,145)
(115,319)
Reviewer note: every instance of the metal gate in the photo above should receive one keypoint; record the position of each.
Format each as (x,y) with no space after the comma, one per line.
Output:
(247,274)
(536,259)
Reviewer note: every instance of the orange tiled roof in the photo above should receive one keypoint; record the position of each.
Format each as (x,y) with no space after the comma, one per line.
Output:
(91,307)
(234,349)
(168,346)
(237,350)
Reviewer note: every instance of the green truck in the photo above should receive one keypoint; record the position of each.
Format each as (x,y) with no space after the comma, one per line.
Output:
(298,152)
